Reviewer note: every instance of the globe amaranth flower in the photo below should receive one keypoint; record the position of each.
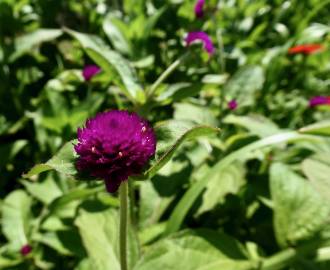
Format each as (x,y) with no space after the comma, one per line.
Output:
(232,105)
(114,145)
(199,8)
(305,49)
(319,100)
(200,36)
(89,71)
(26,249)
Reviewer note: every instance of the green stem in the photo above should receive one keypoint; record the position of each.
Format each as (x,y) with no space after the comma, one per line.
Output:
(286,257)
(123,193)
(132,203)
(221,51)
(280,260)
(166,73)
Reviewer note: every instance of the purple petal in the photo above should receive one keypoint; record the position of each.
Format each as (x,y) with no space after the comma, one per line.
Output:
(203,37)
(114,145)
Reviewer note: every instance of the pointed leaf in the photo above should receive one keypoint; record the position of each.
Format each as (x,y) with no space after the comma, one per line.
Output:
(116,35)
(62,162)
(110,60)
(26,42)
(170,135)
(320,128)
(196,189)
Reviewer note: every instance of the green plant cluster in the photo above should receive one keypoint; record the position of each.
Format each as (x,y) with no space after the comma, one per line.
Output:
(243,189)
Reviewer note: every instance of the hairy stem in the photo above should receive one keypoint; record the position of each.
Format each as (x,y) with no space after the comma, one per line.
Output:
(123,193)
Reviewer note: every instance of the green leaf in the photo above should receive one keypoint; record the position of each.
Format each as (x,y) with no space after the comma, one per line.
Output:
(151,22)
(178,91)
(62,162)
(226,181)
(171,134)
(320,128)
(10,150)
(299,211)
(16,212)
(73,195)
(244,83)
(256,124)
(67,80)
(111,27)
(193,250)
(110,61)
(194,113)
(5,263)
(66,242)
(26,42)
(196,189)
(317,170)
(45,191)
(99,232)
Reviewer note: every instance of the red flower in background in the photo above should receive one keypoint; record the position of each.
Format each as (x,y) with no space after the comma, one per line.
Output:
(306,49)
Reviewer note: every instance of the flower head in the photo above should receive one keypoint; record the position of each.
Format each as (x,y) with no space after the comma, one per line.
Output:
(26,249)
(232,105)
(89,71)
(319,100)
(203,37)
(199,8)
(114,145)
(305,49)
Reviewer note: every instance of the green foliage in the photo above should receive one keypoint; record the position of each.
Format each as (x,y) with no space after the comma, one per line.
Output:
(241,189)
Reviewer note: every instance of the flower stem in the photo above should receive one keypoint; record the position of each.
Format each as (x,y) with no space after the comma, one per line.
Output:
(123,193)
(166,73)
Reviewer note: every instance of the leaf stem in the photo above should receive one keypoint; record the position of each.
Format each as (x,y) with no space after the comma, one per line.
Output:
(166,73)
(123,193)
(289,255)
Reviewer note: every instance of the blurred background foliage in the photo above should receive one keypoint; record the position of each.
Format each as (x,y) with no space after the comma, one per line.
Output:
(265,178)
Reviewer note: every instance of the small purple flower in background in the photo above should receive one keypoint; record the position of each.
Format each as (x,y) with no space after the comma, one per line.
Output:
(203,37)
(232,105)
(89,71)
(114,145)
(199,8)
(26,249)
(319,100)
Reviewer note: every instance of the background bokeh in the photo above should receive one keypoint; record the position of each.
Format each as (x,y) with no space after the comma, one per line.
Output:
(235,200)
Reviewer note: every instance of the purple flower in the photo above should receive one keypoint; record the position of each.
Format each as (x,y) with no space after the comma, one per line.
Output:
(26,249)
(319,100)
(89,71)
(199,12)
(203,37)
(232,105)
(114,145)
